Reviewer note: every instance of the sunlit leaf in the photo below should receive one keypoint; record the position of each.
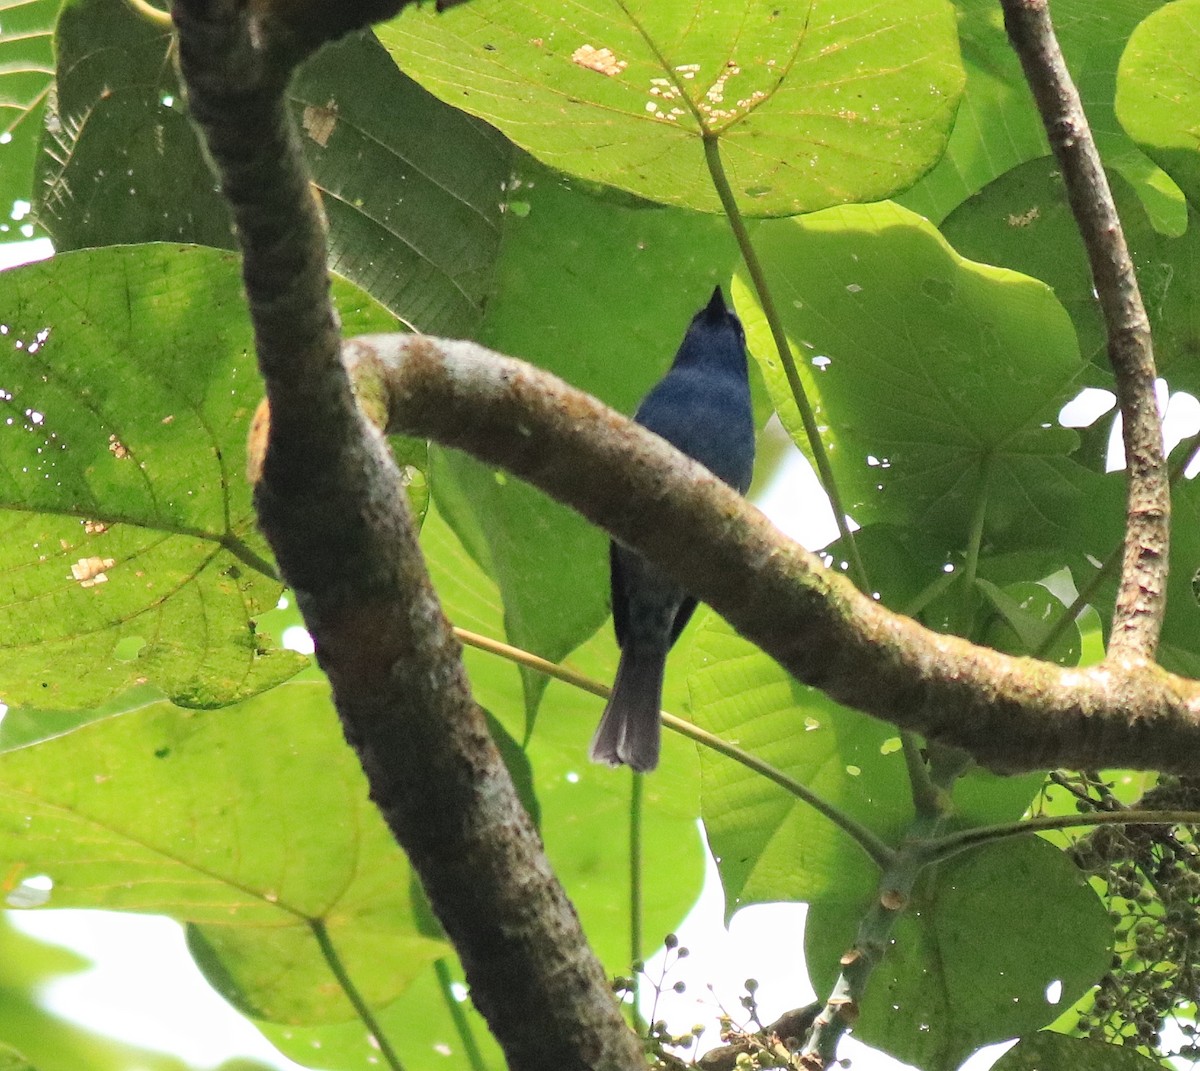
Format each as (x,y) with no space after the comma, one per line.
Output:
(935,381)
(418,1024)
(130,551)
(771,845)
(812,104)
(251,822)
(1157,97)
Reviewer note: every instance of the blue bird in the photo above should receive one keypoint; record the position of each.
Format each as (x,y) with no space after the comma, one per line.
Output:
(702,408)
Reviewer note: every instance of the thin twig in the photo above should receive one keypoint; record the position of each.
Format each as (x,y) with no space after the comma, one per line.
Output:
(875,848)
(1137,618)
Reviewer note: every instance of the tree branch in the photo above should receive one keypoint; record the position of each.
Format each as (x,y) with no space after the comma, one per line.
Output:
(331,502)
(1137,618)
(1010,714)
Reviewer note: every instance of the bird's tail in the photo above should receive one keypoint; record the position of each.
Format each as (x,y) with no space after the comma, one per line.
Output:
(630,729)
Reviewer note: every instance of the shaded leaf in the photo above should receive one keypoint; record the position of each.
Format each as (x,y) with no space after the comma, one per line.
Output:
(1024,614)
(973,954)
(411,188)
(997,127)
(26,76)
(1022,221)
(813,104)
(120,160)
(252,823)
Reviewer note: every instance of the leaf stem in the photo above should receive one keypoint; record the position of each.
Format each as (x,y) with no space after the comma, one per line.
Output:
(974,542)
(361,1008)
(636,797)
(238,547)
(470,1046)
(875,848)
(150,13)
(936,849)
(716,169)
(927,800)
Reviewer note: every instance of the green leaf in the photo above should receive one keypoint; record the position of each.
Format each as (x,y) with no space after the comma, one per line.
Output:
(1045,1049)
(1022,221)
(1157,99)
(599,293)
(998,127)
(935,380)
(128,384)
(11,1060)
(973,954)
(26,76)
(770,845)
(813,104)
(1026,612)
(411,188)
(251,822)
(120,161)
(1179,649)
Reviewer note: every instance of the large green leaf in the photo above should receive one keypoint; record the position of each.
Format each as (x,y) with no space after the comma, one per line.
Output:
(129,548)
(813,103)
(973,954)
(251,822)
(773,846)
(1158,100)
(411,188)
(1022,221)
(120,161)
(26,76)
(1045,1049)
(998,128)
(599,293)
(935,380)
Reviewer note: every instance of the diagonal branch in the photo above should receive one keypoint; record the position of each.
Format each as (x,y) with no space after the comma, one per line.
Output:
(1011,714)
(331,502)
(1137,619)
